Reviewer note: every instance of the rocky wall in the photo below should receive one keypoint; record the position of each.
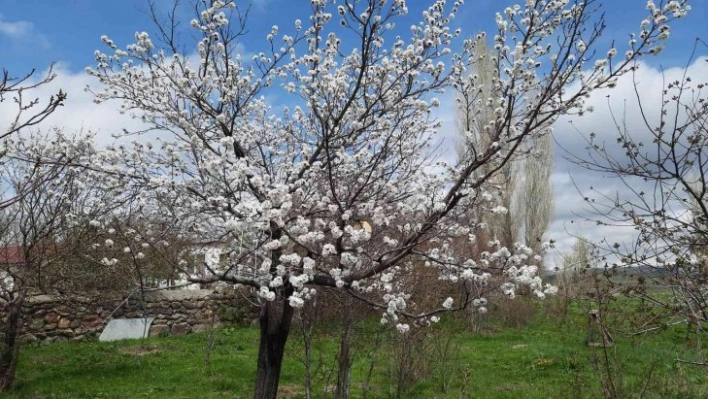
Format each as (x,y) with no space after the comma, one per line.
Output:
(54,318)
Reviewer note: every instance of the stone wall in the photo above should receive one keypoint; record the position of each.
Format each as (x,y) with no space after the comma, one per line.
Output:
(53,318)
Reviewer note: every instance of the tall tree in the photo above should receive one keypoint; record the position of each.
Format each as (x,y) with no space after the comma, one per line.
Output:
(523,185)
(284,189)
(536,197)
(475,112)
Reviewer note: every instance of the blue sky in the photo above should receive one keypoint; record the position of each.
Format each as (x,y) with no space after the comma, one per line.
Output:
(35,33)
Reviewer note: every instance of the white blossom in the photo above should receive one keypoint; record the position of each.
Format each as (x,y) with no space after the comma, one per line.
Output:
(402,328)
(448,303)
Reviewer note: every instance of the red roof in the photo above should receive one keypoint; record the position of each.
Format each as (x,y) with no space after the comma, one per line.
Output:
(12,255)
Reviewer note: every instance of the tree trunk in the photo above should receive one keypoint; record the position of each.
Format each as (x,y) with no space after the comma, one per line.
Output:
(308,318)
(276,317)
(342,391)
(10,346)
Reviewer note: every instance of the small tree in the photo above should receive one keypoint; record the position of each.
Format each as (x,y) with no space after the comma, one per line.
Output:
(284,189)
(661,162)
(37,221)
(574,264)
(16,93)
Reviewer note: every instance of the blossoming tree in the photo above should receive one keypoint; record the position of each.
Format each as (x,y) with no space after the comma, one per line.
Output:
(339,186)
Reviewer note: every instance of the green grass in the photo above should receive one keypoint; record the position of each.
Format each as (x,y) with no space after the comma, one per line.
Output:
(112,370)
(545,359)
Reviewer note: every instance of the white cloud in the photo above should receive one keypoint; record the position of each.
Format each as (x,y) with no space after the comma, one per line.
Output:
(22,31)
(621,104)
(260,5)
(79,112)
(15,29)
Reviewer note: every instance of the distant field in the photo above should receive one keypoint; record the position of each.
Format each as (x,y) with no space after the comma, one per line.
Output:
(547,358)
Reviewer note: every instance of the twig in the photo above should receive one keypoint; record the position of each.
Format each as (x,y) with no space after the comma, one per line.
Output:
(692,362)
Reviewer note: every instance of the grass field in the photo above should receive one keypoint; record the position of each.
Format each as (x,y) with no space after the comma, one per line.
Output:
(546,358)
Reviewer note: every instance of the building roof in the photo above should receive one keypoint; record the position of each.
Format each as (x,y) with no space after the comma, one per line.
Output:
(12,255)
